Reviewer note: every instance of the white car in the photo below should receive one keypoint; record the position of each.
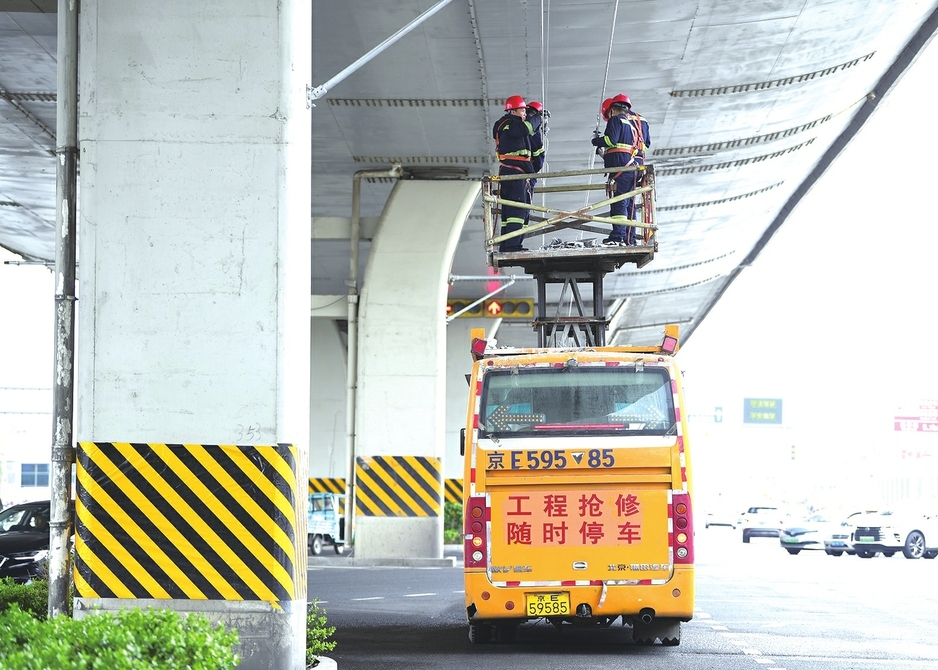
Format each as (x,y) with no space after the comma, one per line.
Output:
(762,522)
(914,533)
(721,518)
(840,539)
(809,533)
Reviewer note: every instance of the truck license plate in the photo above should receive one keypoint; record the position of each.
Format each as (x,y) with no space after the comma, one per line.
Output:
(547,604)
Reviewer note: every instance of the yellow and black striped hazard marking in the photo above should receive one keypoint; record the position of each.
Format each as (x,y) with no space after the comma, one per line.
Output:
(327,485)
(453,491)
(187,522)
(398,486)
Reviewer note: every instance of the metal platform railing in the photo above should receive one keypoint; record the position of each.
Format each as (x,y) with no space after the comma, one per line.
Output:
(583,218)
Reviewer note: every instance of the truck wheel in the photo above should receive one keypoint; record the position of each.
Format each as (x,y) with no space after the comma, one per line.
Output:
(745,536)
(506,633)
(480,633)
(339,548)
(315,545)
(914,545)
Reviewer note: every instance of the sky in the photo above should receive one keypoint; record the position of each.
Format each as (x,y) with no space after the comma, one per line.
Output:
(835,318)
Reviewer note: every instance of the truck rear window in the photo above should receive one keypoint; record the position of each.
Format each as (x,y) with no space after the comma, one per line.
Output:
(575,400)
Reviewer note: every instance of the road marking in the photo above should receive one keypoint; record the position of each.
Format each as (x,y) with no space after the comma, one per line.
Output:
(372,598)
(418,595)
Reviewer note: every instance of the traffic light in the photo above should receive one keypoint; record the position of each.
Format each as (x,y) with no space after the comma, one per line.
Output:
(510,308)
(453,306)
(496,308)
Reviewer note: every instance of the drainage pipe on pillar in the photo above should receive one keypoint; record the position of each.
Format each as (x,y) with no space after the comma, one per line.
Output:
(351,375)
(66,188)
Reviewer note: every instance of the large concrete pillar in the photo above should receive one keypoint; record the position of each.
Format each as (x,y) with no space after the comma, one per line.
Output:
(194,328)
(327,430)
(401,404)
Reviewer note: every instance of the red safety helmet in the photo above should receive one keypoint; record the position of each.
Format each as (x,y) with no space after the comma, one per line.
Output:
(515,102)
(604,108)
(622,99)
(536,106)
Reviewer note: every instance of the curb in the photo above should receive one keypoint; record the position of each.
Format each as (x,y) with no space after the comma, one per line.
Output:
(403,562)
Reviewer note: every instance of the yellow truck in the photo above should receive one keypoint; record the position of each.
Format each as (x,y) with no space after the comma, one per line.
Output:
(577,490)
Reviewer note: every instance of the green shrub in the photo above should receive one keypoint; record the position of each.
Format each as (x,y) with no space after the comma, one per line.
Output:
(32,598)
(452,523)
(131,639)
(317,633)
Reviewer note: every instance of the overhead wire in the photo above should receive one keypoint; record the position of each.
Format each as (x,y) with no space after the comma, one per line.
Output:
(545,56)
(602,94)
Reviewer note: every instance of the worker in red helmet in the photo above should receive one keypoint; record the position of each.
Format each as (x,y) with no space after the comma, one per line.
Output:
(512,134)
(604,108)
(536,109)
(623,143)
(538,150)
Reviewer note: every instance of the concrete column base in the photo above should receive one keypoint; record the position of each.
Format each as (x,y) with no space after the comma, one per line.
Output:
(266,634)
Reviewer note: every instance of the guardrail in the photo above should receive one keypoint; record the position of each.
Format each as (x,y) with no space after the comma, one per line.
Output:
(583,218)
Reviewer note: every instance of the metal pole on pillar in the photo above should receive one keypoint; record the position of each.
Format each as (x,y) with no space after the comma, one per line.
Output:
(351,377)
(63,453)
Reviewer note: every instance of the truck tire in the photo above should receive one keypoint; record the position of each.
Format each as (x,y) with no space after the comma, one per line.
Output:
(315,545)
(914,545)
(506,633)
(339,548)
(480,633)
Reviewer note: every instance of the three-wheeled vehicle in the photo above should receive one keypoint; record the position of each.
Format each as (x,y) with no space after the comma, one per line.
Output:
(325,522)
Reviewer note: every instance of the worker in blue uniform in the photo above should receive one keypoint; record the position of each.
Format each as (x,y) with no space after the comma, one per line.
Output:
(623,143)
(538,150)
(512,134)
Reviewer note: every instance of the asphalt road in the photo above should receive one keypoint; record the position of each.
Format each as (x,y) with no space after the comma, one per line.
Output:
(757,607)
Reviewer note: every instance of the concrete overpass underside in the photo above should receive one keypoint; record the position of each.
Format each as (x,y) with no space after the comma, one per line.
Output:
(195,241)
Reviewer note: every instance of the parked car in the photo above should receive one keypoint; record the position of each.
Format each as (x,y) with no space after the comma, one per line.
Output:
(762,522)
(840,539)
(721,518)
(809,533)
(914,532)
(24,540)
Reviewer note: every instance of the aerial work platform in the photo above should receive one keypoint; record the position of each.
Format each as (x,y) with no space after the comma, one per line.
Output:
(572,261)
(577,253)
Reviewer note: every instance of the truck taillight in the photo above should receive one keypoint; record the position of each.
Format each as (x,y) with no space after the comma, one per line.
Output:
(682,538)
(476,532)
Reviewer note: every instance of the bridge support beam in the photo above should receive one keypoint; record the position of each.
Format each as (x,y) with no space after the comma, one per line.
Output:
(402,347)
